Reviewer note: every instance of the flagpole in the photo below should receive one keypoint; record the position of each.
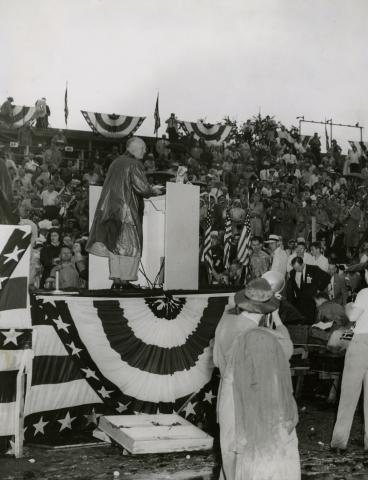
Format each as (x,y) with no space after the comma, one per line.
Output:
(66,108)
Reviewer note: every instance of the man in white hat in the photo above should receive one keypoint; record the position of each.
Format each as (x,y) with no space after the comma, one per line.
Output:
(277,253)
(252,303)
(116,231)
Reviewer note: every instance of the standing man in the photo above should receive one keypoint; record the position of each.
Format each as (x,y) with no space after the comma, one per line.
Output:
(259,260)
(304,282)
(355,374)
(319,259)
(278,255)
(337,290)
(6,110)
(116,231)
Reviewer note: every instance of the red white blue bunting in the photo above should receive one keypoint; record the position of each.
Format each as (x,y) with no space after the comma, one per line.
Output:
(111,125)
(211,134)
(23,115)
(108,356)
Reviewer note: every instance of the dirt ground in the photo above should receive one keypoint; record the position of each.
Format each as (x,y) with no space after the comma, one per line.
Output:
(94,463)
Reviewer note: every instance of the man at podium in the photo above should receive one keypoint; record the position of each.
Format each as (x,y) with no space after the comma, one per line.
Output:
(116,231)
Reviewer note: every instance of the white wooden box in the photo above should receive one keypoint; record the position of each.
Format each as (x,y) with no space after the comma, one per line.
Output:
(159,433)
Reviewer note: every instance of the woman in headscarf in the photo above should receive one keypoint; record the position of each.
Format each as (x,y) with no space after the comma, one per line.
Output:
(266,414)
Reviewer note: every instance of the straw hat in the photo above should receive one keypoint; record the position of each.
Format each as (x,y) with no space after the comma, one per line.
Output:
(257,297)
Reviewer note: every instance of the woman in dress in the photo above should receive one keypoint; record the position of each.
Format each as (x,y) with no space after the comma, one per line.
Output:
(265,410)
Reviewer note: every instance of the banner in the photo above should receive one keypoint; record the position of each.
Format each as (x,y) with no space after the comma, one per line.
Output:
(111,125)
(211,134)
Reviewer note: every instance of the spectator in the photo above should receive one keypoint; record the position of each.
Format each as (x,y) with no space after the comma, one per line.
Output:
(337,290)
(43,113)
(260,262)
(49,252)
(277,253)
(68,274)
(50,200)
(304,282)
(6,110)
(319,259)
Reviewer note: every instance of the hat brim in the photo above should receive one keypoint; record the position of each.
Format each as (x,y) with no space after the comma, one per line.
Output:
(253,306)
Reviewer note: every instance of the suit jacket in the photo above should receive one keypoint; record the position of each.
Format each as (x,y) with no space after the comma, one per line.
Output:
(301,297)
(340,292)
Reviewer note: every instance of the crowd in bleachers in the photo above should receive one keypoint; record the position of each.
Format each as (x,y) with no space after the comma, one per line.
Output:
(282,180)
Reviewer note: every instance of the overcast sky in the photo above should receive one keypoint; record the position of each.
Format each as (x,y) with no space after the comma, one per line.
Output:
(208,59)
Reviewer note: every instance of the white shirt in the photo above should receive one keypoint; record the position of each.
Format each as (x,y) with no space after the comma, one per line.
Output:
(362,302)
(49,198)
(279,261)
(307,259)
(321,262)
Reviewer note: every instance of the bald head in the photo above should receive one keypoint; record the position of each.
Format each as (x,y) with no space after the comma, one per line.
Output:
(136,147)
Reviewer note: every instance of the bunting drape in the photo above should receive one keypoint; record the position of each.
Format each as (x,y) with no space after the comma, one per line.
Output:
(111,125)
(211,134)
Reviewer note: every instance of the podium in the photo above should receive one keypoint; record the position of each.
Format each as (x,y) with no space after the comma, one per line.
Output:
(170,241)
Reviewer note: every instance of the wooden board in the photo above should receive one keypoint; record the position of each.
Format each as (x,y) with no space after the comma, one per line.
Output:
(155,433)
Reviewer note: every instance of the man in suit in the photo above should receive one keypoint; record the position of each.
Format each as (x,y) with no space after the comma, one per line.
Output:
(304,282)
(336,247)
(337,290)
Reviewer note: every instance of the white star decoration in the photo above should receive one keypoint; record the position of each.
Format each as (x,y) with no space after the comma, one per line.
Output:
(62,325)
(189,409)
(89,373)
(75,350)
(13,255)
(66,422)
(208,396)
(121,407)
(39,427)
(104,393)
(2,279)
(92,417)
(11,336)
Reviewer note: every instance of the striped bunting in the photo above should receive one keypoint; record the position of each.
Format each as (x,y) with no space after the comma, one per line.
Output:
(211,134)
(22,115)
(115,356)
(111,125)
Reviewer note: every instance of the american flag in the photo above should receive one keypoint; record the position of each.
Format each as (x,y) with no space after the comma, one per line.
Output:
(157,117)
(15,330)
(243,252)
(207,244)
(66,108)
(227,239)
